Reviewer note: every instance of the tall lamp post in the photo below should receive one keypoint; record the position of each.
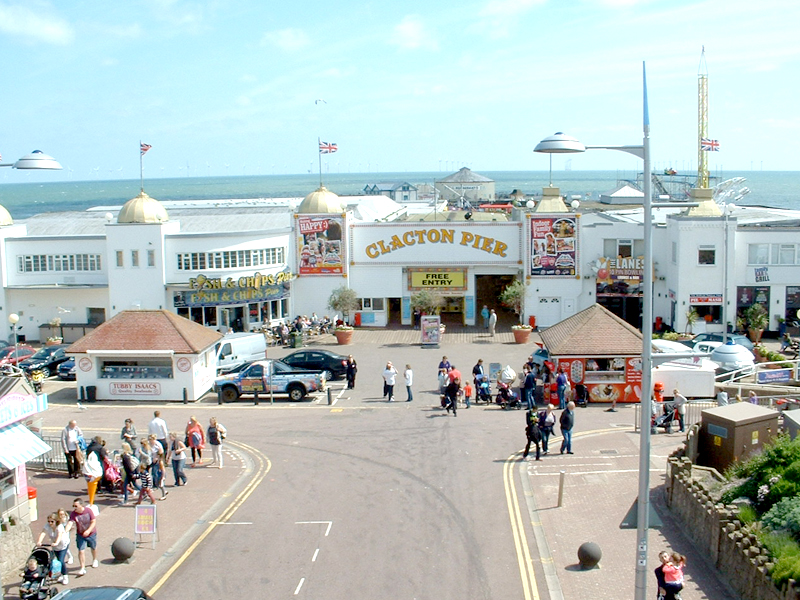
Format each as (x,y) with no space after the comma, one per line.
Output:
(559,144)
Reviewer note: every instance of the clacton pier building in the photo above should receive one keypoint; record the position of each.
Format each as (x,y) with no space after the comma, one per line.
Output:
(243,264)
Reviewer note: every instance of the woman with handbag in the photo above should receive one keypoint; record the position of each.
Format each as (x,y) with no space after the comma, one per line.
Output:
(93,466)
(196,440)
(215,434)
(546,422)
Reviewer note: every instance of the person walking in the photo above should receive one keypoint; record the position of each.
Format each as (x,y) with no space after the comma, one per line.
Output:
(85,533)
(529,386)
(408,375)
(492,322)
(128,433)
(145,485)
(451,394)
(93,466)
(389,379)
(680,405)
(546,421)
(567,422)
(70,443)
(158,464)
(352,369)
(478,369)
(58,539)
(63,518)
(562,384)
(177,454)
(158,427)
(533,433)
(468,390)
(196,438)
(215,434)
(130,467)
(485,315)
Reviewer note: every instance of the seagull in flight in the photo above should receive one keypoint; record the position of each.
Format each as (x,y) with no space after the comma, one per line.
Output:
(319,100)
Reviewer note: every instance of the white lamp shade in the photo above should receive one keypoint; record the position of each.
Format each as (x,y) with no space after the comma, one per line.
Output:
(37,160)
(559,143)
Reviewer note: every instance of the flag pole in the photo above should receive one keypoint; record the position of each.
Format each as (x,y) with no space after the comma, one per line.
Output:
(141,167)
(319,151)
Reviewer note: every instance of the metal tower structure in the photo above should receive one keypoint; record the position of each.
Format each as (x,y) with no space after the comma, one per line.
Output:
(702,121)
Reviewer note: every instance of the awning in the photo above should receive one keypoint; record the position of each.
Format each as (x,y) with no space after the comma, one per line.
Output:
(18,445)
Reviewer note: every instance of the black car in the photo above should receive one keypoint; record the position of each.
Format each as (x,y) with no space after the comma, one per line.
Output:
(103,593)
(66,370)
(47,359)
(333,365)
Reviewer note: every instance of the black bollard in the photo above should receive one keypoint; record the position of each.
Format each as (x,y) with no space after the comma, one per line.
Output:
(82,394)
(185,396)
(255,396)
(330,399)
(219,396)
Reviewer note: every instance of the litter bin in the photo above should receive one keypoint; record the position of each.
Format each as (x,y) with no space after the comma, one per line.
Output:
(357,321)
(91,392)
(33,510)
(532,321)
(296,340)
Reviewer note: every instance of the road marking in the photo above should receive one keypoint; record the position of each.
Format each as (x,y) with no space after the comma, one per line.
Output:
(314,558)
(232,523)
(328,523)
(264,467)
(526,572)
(299,585)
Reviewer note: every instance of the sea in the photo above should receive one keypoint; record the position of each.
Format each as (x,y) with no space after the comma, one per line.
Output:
(776,189)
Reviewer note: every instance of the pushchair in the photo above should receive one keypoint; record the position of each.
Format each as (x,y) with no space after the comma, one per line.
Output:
(483,392)
(581,395)
(667,418)
(42,588)
(506,397)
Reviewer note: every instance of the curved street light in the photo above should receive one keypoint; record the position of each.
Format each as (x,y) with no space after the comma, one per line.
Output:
(35,160)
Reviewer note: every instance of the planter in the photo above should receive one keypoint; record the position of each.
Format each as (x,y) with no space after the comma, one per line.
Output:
(343,336)
(54,342)
(755,335)
(521,336)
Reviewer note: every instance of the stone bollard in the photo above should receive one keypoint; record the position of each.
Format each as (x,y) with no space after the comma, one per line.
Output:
(589,555)
(122,549)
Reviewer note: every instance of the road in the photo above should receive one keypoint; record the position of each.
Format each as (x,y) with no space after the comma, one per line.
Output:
(367,499)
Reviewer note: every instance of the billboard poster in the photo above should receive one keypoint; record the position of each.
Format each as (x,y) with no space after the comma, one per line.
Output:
(431,330)
(554,245)
(320,245)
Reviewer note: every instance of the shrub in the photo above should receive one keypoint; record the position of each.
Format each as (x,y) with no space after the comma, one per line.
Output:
(671,335)
(767,476)
(747,514)
(784,516)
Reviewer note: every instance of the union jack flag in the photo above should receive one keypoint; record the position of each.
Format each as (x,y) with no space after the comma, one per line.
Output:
(707,145)
(326,148)
(144,148)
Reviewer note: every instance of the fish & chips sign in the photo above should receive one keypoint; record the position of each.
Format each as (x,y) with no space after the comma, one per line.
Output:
(212,291)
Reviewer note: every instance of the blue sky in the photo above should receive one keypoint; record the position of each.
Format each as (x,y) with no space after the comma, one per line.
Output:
(222,87)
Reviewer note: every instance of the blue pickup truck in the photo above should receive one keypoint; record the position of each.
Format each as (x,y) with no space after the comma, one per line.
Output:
(267,376)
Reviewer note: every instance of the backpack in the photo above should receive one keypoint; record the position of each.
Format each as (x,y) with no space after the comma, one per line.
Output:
(195,439)
(134,462)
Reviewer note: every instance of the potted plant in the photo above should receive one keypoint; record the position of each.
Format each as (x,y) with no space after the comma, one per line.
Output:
(691,318)
(513,297)
(757,320)
(55,330)
(343,300)
(760,352)
(429,302)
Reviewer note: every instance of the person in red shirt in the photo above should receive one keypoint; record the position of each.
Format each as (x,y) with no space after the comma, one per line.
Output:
(453,374)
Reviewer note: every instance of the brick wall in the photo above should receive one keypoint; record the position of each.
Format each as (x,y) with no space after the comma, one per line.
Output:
(16,544)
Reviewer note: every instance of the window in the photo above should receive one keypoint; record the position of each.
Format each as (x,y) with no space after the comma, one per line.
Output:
(758,254)
(373,304)
(151,258)
(134,258)
(230,259)
(38,263)
(783,254)
(623,248)
(120,262)
(706,255)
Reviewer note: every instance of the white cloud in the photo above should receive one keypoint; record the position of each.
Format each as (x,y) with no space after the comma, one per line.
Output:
(248,78)
(509,8)
(288,40)
(36,21)
(412,34)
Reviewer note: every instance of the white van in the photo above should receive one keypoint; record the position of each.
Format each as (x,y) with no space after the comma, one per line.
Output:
(236,349)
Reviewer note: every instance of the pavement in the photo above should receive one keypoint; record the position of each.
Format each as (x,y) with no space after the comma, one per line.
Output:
(600,486)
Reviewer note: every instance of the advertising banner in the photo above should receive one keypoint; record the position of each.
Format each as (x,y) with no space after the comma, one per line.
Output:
(442,280)
(431,331)
(554,245)
(320,248)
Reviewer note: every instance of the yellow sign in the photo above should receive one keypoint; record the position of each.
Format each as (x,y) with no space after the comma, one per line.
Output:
(437,236)
(754,438)
(717,440)
(434,279)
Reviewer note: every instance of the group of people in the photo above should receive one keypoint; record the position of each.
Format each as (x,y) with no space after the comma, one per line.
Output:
(489,319)
(669,575)
(539,426)
(389,375)
(56,533)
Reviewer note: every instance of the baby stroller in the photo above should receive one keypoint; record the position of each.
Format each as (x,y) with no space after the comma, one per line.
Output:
(665,420)
(581,395)
(41,589)
(483,392)
(506,397)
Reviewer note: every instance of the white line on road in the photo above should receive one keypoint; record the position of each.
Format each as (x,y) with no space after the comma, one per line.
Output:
(327,531)
(314,558)
(299,585)
(604,471)
(229,523)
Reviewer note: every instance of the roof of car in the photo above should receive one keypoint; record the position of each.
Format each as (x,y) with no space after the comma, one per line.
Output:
(101,593)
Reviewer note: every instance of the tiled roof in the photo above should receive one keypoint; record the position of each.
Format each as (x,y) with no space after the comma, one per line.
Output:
(595,331)
(148,330)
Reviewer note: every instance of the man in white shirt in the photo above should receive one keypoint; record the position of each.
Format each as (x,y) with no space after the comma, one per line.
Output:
(158,427)
(69,443)
(389,378)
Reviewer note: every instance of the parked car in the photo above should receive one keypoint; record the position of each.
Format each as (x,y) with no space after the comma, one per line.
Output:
(333,365)
(46,359)
(66,370)
(266,375)
(102,593)
(237,349)
(9,356)
(736,338)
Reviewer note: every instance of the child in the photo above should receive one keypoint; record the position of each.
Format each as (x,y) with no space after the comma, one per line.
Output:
(146,481)
(467,393)
(33,573)
(673,575)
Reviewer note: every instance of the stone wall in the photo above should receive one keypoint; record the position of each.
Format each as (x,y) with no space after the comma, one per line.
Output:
(16,543)
(741,560)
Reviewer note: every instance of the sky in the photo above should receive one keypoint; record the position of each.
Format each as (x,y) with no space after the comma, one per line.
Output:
(248,87)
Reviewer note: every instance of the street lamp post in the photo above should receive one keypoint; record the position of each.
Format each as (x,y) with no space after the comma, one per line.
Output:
(13,318)
(35,160)
(560,143)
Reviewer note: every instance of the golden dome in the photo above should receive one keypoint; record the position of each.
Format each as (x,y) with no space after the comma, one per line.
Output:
(5,217)
(142,209)
(321,201)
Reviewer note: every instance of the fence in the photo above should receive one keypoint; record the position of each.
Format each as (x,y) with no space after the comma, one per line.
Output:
(53,459)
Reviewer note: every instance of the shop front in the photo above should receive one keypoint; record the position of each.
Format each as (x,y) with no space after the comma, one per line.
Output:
(709,312)
(619,286)
(746,296)
(606,378)
(18,403)
(230,304)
